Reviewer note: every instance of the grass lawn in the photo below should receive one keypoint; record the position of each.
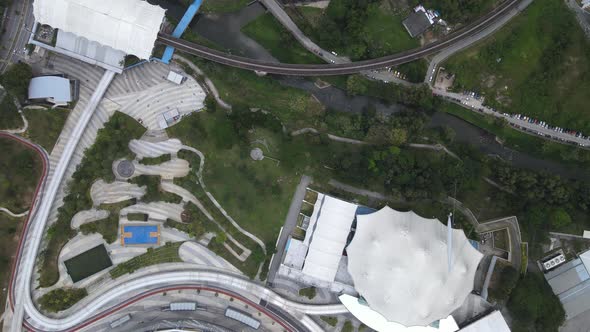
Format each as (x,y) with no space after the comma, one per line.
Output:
(294,107)
(256,194)
(167,253)
(20,169)
(533,145)
(384,32)
(9,117)
(10,229)
(537,65)
(45,126)
(269,33)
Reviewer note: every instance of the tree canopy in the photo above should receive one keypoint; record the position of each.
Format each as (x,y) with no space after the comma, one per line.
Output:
(16,80)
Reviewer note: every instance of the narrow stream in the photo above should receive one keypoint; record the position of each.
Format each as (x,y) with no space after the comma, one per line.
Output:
(224,30)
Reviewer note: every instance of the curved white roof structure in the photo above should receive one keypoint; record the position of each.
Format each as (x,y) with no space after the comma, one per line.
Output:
(398,262)
(55,88)
(127,25)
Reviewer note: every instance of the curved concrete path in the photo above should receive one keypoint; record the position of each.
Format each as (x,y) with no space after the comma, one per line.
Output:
(145,149)
(86,216)
(114,192)
(12,214)
(175,168)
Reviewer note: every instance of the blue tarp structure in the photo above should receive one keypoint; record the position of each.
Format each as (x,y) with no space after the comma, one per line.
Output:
(182,25)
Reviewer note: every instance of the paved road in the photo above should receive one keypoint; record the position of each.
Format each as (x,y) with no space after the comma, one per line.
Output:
(345,68)
(16,36)
(582,16)
(290,224)
(531,128)
(34,236)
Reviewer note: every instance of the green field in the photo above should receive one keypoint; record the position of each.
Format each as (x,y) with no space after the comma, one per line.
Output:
(88,263)
(356,29)
(294,107)
(269,33)
(10,229)
(45,126)
(20,169)
(222,6)
(537,65)
(384,32)
(9,116)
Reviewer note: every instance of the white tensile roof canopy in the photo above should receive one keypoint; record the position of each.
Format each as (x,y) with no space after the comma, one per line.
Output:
(127,25)
(398,262)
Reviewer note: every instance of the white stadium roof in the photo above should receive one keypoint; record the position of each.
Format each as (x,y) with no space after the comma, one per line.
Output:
(330,222)
(127,25)
(398,262)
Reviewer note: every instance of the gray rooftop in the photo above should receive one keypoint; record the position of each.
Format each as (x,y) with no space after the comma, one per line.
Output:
(571,283)
(54,87)
(416,23)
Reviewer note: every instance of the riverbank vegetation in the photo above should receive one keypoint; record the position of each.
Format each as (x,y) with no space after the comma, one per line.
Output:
(537,65)
(269,33)
(20,169)
(111,144)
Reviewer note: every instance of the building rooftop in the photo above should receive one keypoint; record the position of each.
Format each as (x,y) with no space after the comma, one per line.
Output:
(399,263)
(416,23)
(493,322)
(327,235)
(127,25)
(571,283)
(56,88)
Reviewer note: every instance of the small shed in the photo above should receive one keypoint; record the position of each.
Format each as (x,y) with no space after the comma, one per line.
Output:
(175,77)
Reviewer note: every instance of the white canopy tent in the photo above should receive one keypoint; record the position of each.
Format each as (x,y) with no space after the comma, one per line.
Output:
(127,25)
(327,234)
(398,262)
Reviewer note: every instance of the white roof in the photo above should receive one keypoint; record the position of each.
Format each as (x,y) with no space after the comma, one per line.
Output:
(54,87)
(377,322)
(586,234)
(175,77)
(127,25)
(295,255)
(331,220)
(398,262)
(585,258)
(493,322)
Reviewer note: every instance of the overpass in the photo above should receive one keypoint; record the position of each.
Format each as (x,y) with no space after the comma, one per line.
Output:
(341,68)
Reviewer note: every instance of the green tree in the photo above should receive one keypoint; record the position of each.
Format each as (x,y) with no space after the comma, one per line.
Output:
(534,307)
(356,85)
(560,218)
(16,80)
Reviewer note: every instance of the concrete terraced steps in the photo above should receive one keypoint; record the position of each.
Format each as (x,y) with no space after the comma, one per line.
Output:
(114,192)
(145,149)
(195,253)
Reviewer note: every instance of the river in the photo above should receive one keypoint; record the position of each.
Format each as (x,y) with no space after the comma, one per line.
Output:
(224,30)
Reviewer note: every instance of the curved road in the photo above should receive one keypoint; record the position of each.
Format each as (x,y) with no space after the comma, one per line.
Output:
(342,68)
